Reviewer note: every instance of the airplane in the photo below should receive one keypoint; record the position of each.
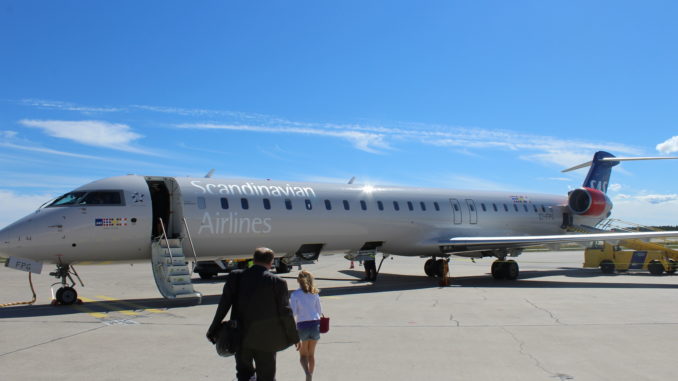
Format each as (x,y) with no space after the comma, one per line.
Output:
(162,219)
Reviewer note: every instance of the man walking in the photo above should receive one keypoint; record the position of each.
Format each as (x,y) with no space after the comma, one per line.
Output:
(261,301)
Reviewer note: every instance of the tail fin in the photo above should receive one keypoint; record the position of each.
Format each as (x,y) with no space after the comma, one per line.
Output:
(599,174)
(601,167)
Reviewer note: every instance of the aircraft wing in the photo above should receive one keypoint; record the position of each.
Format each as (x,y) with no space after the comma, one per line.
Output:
(465,244)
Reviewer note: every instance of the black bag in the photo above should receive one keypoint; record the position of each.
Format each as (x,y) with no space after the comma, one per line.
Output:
(228,338)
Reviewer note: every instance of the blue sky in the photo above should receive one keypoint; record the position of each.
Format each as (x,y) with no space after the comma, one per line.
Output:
(461,94)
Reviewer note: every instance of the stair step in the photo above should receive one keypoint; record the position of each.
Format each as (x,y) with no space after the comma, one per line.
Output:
(179,279)
(182,288)
(174,243)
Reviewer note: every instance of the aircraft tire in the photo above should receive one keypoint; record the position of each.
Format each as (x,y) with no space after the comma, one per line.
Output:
(672,267)
(512,270)
(66,295)
(428,268)
(607,266)
(282,268)
(499,269)
(655,268)
(205,275)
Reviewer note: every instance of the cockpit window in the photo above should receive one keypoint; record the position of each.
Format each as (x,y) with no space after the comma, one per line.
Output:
(67,199)
(89,198)
(102,198)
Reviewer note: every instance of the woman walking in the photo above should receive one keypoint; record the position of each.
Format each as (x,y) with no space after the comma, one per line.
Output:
(305,304)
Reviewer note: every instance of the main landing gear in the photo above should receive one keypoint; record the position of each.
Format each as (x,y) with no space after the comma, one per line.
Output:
(503,269)
(434,267)
(65,294)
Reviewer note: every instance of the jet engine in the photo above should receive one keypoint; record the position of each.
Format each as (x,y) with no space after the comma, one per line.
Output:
(589,202)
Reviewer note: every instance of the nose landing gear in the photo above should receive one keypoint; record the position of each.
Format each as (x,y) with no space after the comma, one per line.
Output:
(65,294)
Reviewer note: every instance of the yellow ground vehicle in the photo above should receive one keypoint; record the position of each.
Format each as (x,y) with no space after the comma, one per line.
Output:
(652,257)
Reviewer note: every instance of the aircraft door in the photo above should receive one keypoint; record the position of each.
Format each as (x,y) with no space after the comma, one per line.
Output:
(456,210)
(473,212)
(166,200)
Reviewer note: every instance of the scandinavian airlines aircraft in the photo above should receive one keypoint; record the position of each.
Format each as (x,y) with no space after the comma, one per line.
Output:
(165,219)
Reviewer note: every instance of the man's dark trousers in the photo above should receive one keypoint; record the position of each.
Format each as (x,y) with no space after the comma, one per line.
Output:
(265,364)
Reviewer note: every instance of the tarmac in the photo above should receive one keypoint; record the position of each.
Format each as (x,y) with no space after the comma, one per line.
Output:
(556,322)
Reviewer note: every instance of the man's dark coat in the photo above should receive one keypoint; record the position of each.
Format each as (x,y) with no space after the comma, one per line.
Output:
(263,309)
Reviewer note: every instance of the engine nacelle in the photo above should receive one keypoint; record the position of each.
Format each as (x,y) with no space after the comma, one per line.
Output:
(589,202)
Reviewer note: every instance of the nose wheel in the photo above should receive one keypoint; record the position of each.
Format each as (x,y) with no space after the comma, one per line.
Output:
(66,294)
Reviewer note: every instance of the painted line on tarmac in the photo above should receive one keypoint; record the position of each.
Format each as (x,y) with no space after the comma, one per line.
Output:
(112,309)
(132,305)
(98,315)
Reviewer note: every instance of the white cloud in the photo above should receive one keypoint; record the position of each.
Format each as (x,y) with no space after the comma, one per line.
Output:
(646,209)
(67,106)
(47,150)
(369,142)
(89,132)
(614,187)
(15,205)
(669,146)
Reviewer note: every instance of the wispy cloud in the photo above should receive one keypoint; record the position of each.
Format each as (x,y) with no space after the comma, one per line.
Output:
(90,132)
(668,146)
(380,139)
(47,150)
(369,142)
(67,106)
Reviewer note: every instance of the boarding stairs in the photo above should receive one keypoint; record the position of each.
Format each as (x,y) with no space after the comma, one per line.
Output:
(170,269)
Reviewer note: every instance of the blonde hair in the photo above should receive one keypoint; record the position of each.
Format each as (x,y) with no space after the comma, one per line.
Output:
(307,282)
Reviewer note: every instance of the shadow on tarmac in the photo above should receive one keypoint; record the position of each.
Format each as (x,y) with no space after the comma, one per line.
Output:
(385,283)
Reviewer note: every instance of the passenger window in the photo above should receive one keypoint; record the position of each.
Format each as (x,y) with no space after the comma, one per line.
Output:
(102,198)
(525,207)
(482,205)
(224,203)
(328,205)
(346,205)
(380,205)
(435,205)
(288,204)
(410,206)
(495,207)
(543,210)
(515,207)
(423,206)
(456,207)
(396,206)
(535,208)
(244,203)
(363,205)
(201,203)
(267,204)
(471,207)
(505,208)
(309,206)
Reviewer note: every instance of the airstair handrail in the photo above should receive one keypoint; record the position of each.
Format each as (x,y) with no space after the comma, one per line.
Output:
(164,233)
(190,240)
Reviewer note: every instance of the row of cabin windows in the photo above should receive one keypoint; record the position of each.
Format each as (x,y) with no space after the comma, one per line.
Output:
(244,204)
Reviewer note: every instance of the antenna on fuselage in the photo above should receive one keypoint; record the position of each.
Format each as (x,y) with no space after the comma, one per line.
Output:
(209,174)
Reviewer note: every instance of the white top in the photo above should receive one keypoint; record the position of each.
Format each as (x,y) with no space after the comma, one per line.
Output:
(306,307)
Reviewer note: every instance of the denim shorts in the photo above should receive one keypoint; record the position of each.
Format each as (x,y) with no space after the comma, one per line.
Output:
(309,333)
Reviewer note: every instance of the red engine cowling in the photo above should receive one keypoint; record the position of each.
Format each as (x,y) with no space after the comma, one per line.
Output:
(589,202)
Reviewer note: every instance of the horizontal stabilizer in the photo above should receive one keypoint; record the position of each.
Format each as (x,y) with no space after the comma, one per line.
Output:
(588,163)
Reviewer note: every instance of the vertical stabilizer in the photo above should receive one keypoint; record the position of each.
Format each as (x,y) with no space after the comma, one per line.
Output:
(599,174)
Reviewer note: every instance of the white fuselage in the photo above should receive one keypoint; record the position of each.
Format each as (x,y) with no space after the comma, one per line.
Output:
(228,218)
